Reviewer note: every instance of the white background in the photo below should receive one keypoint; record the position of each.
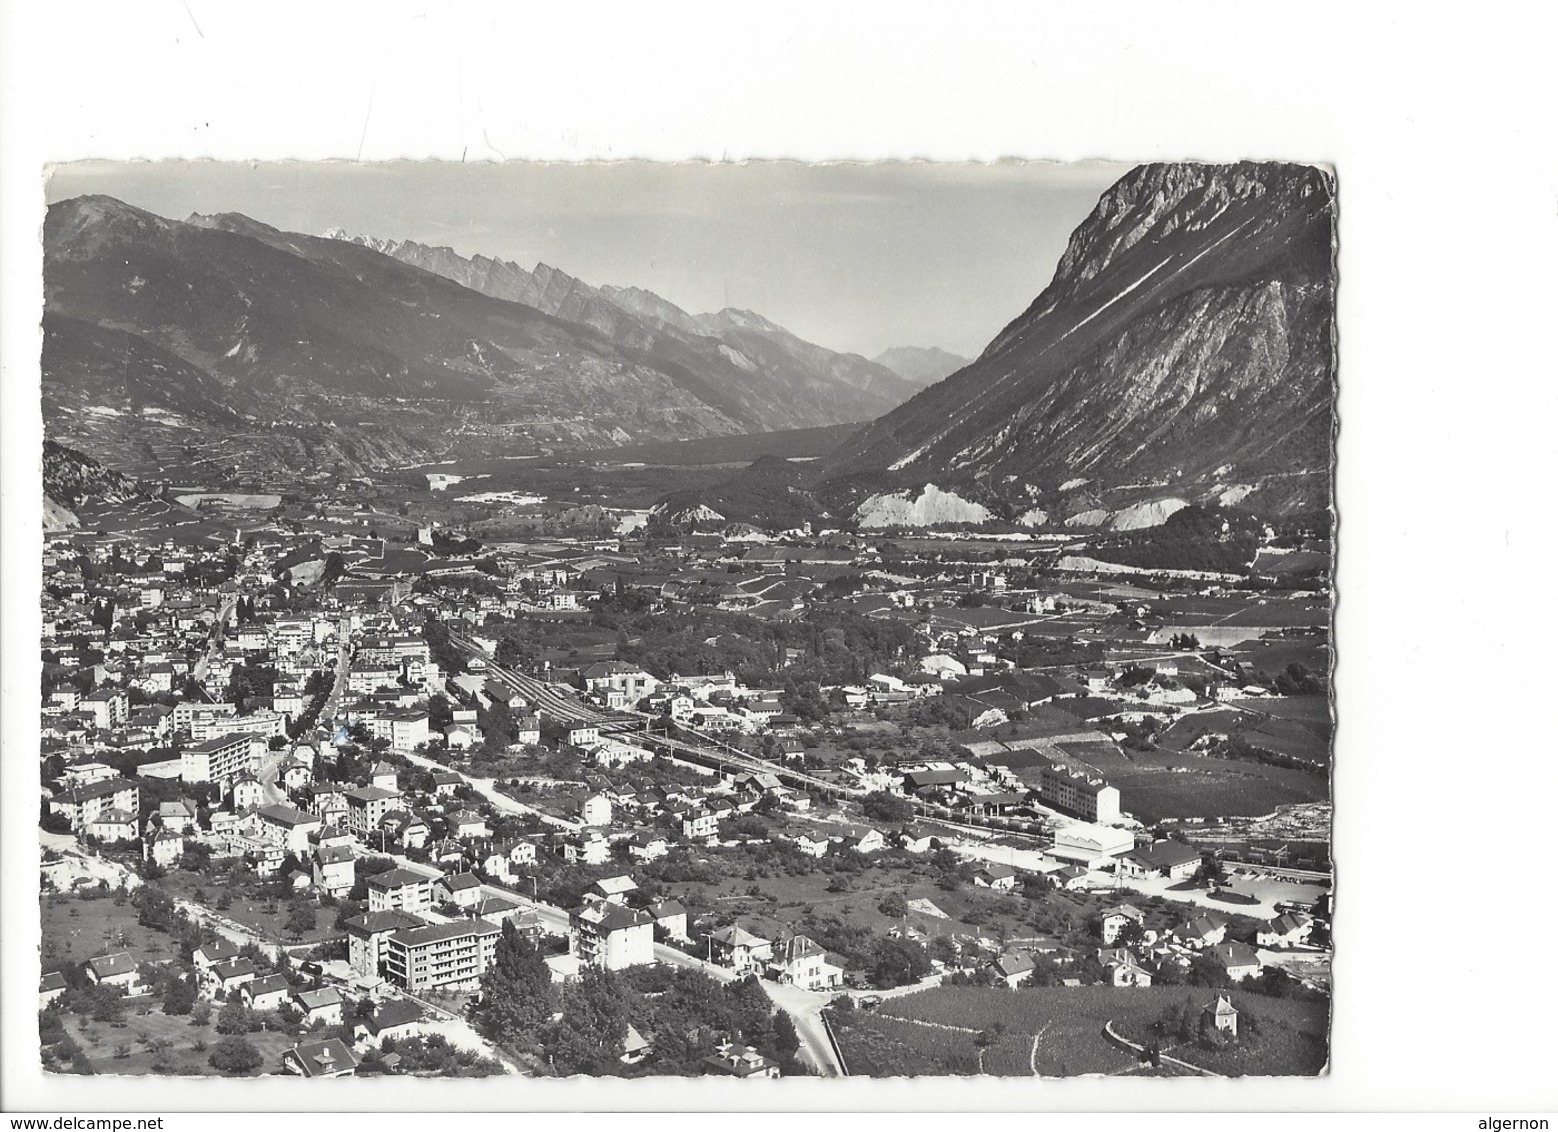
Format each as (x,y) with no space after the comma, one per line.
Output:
(1442,129)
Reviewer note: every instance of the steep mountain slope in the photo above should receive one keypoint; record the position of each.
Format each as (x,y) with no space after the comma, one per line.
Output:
(746,367)
(1185,342)
(72,478)
(252,349)
(920,365)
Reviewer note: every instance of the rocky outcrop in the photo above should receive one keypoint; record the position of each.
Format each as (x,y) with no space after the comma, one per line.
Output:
(928,507)
(1186,337)
(71,479)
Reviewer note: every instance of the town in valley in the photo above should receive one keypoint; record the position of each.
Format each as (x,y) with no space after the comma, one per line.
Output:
(931,722)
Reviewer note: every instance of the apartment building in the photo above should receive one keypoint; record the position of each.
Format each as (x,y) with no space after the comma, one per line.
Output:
(455,954)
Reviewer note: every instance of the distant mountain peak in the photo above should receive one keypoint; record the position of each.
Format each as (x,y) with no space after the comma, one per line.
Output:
(920,365)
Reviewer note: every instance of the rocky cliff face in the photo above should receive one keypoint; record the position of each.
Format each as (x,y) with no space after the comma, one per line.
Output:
(1183,346)
(72,478)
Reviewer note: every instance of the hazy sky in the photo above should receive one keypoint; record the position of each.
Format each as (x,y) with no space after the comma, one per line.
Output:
(853,257)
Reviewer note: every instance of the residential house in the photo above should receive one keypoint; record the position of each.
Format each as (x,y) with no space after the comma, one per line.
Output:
(740,1061)
(1121,968)
(269,992)
(393,1018)
(670,917)
(588,848)
(116,970)
(322,1005)
(595,809)
(50,987)
(334,869)
(608,934)
(207,955)
(698,824)
(467,825)
(1287,930)
(1238,959)
(82,803)
(1012,967)
(445,783)
(329,1058)
(400,890)
(740,950)
(163,847)
(799,961)
(1200,931)
(1114,919)
(227,976)
(1002,878)
(112,826)
(366,807)
(647,846)
(463,890)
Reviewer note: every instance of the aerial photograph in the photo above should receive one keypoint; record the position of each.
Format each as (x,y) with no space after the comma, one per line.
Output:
(634,620)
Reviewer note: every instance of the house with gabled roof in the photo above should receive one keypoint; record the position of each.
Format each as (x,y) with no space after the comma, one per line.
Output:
(1002,878)
(740,1061)
(1114,919)
(116,970)
(1122,969)
(50,987)
(740,950)
(228,975)
(460,889)
(329,1058)
(207,955)
(334,869)
(321,1005)
(1202,930)
(1012,967)
(800,961)
(615,888)
(1286,930)
(1238,959)
(269,992)
(670,917)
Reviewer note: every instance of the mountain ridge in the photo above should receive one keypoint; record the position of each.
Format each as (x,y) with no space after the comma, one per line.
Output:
(1193,302)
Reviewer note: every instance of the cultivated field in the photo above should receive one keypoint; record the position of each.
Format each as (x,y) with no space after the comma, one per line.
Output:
(1069,1021)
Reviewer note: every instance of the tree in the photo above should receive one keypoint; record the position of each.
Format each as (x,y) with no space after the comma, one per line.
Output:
(894,905)
(301,919)
(1210,872)
(234,1055)
(898,961)
(517,995)
(885,806)
(233,1018)
(180,998)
